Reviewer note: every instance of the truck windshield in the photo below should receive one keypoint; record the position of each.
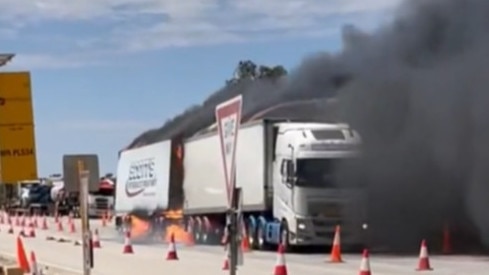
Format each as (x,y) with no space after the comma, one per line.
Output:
(322,173)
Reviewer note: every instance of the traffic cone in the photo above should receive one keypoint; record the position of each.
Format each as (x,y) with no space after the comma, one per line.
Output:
(127,244)
(172,249)
(447,240)
(335,256)
(32,232)
(35,269)
(22,232)
(17,220)
(424,261)
(44,223)
(365,264)
(72,227)
(56,218)
(10,229)
(225,265)
(280,265)
(2,219)
(60,226)
(245,243)
(96,240)
(35,222)
(22,257)
(104,220)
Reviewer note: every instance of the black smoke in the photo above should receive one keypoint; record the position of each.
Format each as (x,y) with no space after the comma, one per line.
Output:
(416,90)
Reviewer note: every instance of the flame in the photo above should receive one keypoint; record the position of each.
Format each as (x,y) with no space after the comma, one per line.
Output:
(174,214)
(178,232)
(139,227)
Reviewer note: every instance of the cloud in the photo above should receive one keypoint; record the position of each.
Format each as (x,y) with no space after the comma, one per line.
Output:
(106,126)
(140,25)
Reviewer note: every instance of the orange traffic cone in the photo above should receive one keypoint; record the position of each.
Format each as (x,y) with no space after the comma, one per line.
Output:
(35,269)
(60,226)
(245,243)
(104,220)
(22,257)
(35,223)
(10,229)
(447,240)
(225,264)
(336,248)
(280,265)
(17,220)
(96,240)
(44,223)
(424,261)
(56,218)
(365,264)
(172,250)
(127,244)
(32,232)
(72,227)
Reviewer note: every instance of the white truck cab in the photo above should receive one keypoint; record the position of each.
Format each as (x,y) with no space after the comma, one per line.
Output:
(308,200)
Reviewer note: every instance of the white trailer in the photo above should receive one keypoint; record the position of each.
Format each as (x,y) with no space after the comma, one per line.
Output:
(286,171)
(143,178)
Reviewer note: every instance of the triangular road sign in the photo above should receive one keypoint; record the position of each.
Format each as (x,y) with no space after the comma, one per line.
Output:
(228,118)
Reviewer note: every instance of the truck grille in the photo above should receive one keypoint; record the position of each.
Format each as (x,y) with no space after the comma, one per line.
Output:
(101,203)
(324,210)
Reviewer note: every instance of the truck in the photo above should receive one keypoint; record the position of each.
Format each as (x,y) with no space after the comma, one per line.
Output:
(286,170)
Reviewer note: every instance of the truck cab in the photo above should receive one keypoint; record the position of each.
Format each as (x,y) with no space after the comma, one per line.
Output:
(309,200)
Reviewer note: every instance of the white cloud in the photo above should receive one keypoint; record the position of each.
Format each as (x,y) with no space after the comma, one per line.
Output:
(106,126)
(140,25)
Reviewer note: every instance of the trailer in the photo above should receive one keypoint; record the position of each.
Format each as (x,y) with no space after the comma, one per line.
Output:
(287,174)
(287,171)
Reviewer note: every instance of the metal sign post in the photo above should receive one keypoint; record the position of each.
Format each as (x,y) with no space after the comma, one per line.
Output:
(228,118)
(86,234)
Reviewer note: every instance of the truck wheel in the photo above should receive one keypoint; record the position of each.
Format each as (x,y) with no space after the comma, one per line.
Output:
(284,236)
(261,239)
(252,237)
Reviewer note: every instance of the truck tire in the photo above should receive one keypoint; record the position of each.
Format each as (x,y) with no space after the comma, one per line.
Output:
(252,236)
(261,239)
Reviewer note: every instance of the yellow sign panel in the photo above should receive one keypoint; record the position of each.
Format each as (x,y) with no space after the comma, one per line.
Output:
(15,85)
(17,154)
(13,111)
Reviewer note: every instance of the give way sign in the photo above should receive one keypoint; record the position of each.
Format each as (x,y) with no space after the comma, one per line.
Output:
(228,117)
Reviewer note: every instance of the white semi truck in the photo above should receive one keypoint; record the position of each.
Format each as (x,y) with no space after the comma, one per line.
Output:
(287,174)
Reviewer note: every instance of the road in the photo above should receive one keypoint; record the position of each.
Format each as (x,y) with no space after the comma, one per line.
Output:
(204,260)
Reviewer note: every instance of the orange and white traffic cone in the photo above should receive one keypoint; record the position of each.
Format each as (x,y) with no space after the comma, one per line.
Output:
(245,243)
(22,261)
(10,229)
(104,220)
(72,227)
(44,223)
(280,265)
(335,256)
(447,240)
(424,261)
(127,244)
(365,264)
(60,226)
(96,240)
(32,232)
(172,249)
(34,268)
(35,222)
(225,264)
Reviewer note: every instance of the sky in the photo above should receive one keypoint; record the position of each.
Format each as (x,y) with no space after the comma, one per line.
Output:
(104,71)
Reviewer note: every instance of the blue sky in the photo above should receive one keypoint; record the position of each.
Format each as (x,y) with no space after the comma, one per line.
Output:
(104,71)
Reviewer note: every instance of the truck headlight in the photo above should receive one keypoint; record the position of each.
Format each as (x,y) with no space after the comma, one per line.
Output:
(301,226)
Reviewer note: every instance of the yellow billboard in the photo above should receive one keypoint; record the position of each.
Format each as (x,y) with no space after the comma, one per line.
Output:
(15,99)
(14,111)
(17,154)
(15,85)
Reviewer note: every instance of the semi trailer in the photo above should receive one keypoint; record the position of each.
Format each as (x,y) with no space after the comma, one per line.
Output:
(287,172)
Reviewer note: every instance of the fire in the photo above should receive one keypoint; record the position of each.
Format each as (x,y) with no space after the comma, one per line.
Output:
(142,228)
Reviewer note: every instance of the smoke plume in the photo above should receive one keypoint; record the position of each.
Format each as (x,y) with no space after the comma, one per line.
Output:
(416,91)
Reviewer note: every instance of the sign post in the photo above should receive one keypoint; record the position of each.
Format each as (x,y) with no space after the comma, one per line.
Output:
(228,118)
(84,177)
